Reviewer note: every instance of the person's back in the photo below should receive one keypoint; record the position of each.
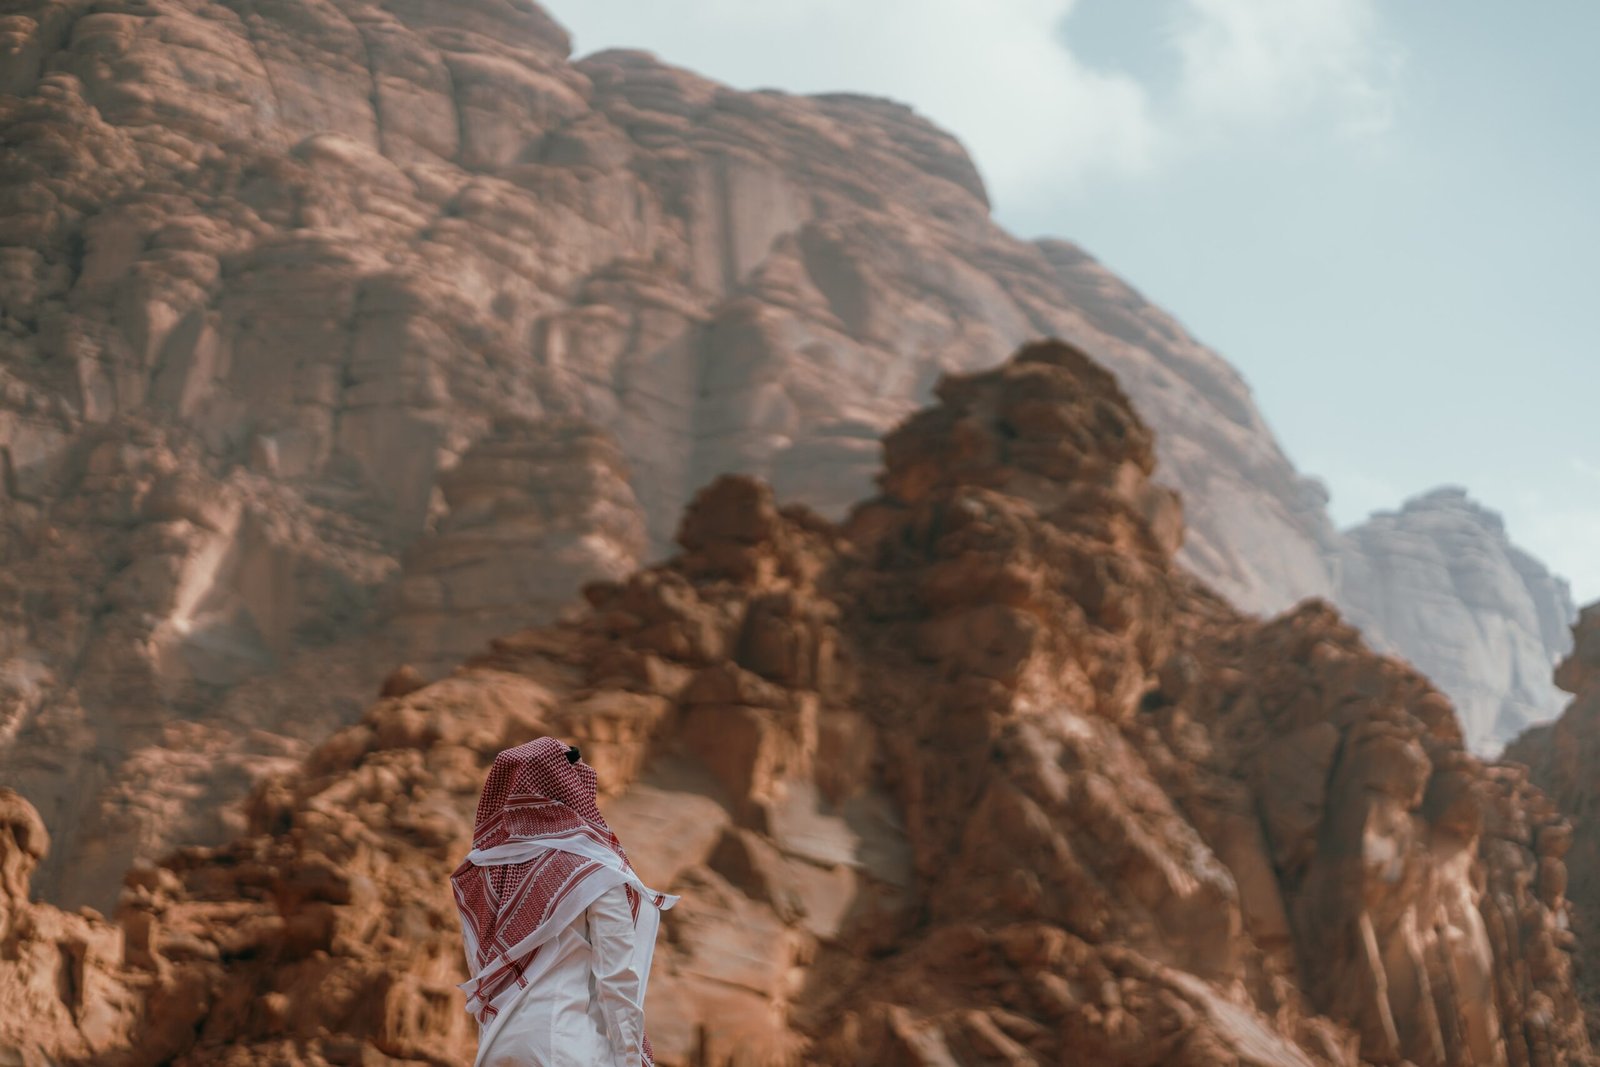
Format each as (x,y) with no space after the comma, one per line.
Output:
(559,931)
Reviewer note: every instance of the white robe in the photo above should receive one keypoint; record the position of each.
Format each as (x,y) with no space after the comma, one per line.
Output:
(584,1004)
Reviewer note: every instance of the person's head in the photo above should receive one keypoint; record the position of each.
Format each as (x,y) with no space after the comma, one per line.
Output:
(543,768)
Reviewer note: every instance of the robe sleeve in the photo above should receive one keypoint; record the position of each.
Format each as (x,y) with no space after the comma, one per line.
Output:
(617,981)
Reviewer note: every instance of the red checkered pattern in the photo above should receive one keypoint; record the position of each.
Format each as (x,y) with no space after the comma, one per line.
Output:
(531,792)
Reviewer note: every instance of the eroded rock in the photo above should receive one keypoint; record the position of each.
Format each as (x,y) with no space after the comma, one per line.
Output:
(1561,760)
(979,776)
(279,281)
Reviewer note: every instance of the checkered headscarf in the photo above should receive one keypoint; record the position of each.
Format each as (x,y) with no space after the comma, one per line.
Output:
(532,793)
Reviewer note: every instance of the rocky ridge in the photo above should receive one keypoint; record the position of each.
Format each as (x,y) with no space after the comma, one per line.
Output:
(304,305)
(1439,582)
(978,776)
(1562,757)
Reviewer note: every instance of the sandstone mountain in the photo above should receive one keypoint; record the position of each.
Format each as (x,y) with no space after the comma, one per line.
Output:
(335,333)
(979,776)
(1440,583)
(1562,757)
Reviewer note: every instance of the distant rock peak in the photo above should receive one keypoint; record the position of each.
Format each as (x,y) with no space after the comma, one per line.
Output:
(1440,582)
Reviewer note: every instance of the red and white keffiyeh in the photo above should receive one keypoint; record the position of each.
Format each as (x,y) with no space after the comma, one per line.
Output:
(542,853)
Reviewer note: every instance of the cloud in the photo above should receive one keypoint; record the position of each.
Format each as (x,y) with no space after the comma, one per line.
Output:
(1263,62)
(994,73)
(1007,78)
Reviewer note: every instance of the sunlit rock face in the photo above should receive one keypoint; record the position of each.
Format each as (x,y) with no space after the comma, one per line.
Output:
(977,776)
(65,995)
(310,309)
(1562,758)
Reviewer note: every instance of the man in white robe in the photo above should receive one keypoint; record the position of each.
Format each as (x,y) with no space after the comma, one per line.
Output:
(559,930)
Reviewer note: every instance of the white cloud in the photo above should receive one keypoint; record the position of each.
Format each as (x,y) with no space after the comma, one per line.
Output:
(1260,62)
(1004,78)
(995,73)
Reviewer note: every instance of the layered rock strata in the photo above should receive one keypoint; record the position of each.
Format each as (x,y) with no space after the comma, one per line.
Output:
(531,509)
(978,776)
(1440,583)
(270,272)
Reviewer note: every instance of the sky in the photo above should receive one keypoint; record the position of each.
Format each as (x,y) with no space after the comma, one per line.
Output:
(1383,214)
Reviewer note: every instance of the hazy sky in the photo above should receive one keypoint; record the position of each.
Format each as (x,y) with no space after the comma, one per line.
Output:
(1384,216)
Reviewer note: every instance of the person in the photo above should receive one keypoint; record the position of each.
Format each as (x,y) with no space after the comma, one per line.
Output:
(559,930)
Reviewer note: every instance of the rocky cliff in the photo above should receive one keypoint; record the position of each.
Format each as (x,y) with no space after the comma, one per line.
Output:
(1562,757)
(1441,584)
(978,776)
(311,310)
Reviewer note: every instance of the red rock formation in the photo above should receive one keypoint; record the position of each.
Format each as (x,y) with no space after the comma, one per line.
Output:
(63,992)
(528,507)
(272,273)
(1561,758)
(979,776)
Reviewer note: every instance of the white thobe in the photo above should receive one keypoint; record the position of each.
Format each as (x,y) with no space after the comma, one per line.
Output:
(586,1008)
